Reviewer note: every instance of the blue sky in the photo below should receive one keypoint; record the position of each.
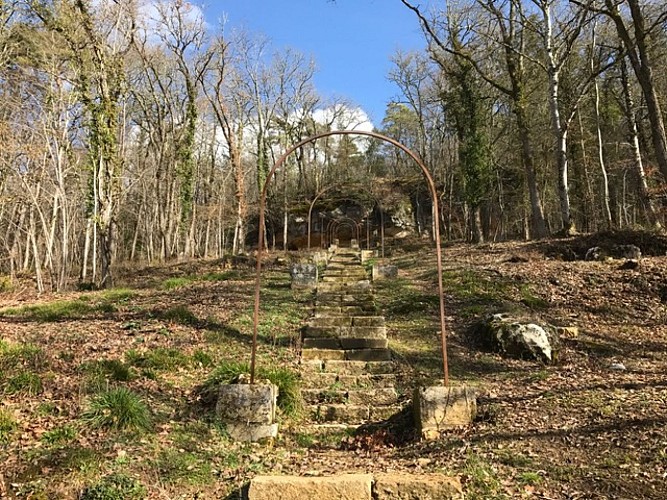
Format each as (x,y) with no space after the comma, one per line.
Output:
(350,40)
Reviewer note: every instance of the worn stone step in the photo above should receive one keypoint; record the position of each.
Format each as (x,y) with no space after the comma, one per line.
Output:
(380,412)
(368,354)
(353,344)
(343,487)
(344,413)
(325,379)
(322,354)
(321,343)
(368,321)
(345,367)
(364,332)
(330,321)
(383,396)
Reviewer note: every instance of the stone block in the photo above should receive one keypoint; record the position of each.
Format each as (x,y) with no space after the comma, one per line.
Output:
(251,432)
(368,354)
(366,255)
(342,487)
(368,321)
(311,365)
(366,332)
(343,413)
(354,343)
(416,487)
(304,275)
(321,343)
(307,354)
(381,396)
(248,411)
(439,408)
(384,271)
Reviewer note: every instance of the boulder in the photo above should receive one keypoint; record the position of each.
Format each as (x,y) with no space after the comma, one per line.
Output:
(516,338)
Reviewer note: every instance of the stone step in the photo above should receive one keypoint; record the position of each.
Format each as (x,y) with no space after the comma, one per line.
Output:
(383,396)
(347,367)
(351,413)
(348,343)
(324,380)
(315,328)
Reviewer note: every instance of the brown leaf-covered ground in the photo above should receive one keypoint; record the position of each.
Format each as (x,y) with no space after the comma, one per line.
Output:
(579,429)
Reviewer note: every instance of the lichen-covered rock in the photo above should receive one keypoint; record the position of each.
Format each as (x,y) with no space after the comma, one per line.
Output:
(304,275)
(517,338)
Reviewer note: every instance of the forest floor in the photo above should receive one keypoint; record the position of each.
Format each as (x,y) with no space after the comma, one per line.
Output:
(585,427)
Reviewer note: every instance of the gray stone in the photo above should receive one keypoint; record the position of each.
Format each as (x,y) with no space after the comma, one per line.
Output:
(248,411)
(343,487)
(416,487)
(384,271)
(518,338)
(439,408)
(303,275)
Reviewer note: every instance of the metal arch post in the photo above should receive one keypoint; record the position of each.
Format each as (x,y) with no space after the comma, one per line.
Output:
(436,230)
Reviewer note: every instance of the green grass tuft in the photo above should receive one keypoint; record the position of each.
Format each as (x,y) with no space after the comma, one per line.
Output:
(59,436)
(115,487)
(179,314)
(26,382)
(118,409)
(8,426)
(161,358)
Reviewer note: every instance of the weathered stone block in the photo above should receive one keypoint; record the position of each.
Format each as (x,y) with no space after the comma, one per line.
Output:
(343,487)
(416,487)
(307,354)
(248,410)
(343,413)
(439,408)
(368,354)
(364,343)
(303,275)
(254,403)
(384,271)
(321,343)
(366,255)
(381,396)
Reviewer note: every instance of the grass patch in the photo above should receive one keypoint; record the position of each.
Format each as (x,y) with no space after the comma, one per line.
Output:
(115,487)
(8,426)
(59,436)
(529,478)
(179,314)
(289,395)
(26,382)
(161,358)
(483,482)
(117,409)
(100,373)
(175,283)
(174,466)
(14,356)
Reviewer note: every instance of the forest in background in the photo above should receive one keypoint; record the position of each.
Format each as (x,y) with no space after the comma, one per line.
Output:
(134,131)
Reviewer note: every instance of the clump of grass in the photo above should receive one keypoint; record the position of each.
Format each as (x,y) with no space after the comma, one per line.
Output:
(13,356)
(118,409)
(162,358)
(6,284)
(287,381)
(100,373)
(118,294)
(175,283)
(179,314)
(53,311)
(174,466)
(202,358)
(25,382)
(529,478)
(483,482)
(115,487)
(59,436)
(8,426)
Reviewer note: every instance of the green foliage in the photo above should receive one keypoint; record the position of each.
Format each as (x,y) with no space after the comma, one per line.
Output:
(174,466)
(483,482)
(6,284)
(14,356)
(287,381)
(59,436)
(8,426)
(175,283)
(179,314)
(72,309)
(161,358)
(529,478)
(100,372)
(25,382)
(202,358)
(115,487)
(118,409)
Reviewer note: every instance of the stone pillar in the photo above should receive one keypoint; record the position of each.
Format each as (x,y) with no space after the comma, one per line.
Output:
(367,254)
(304,275)
(248,411)
(384,271)
(354,244)
(439,408)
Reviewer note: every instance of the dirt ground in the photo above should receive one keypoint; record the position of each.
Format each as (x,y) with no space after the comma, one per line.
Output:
(590,426)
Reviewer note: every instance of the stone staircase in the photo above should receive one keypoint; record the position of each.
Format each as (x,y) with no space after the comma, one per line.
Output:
(347,371)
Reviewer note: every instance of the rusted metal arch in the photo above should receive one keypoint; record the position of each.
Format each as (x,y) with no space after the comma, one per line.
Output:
(367,191)
(345,222)
(333,225)
(436,229)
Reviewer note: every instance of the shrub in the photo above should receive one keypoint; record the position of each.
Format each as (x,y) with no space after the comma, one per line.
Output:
(118,409)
